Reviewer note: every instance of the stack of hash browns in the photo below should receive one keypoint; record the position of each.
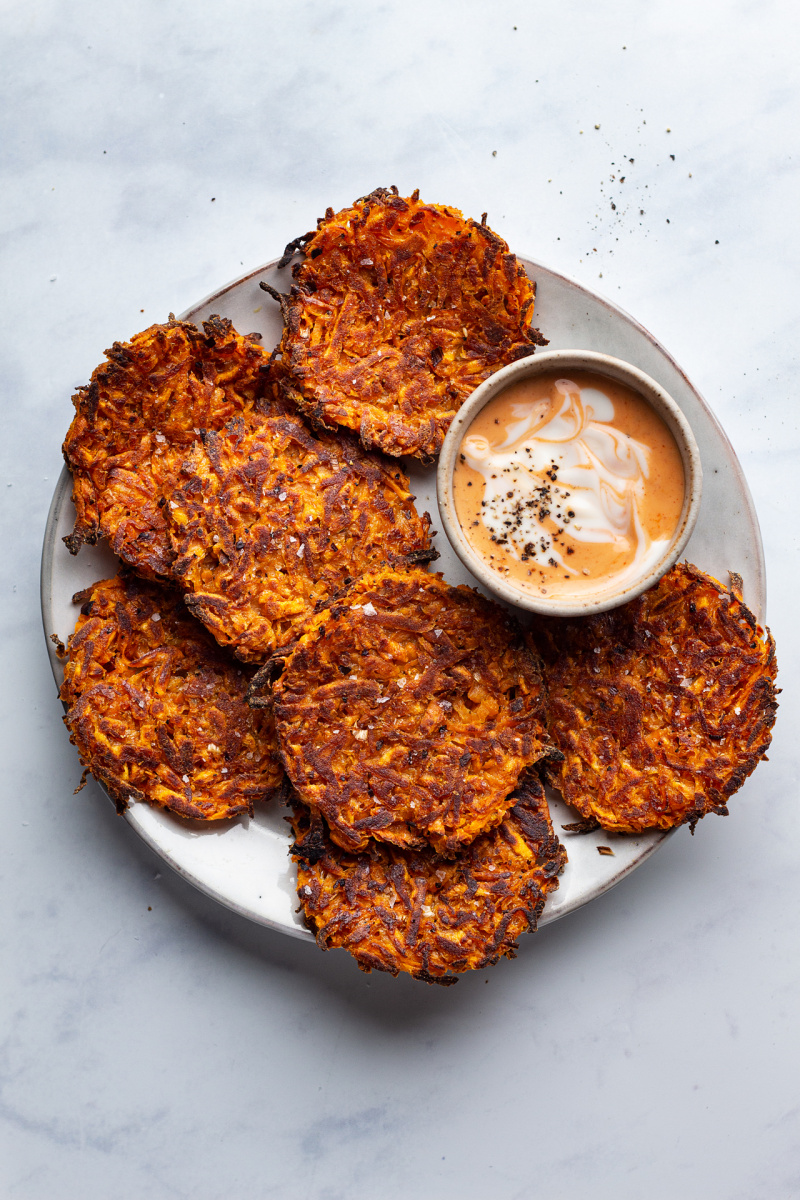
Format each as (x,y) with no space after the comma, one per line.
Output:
(274,629)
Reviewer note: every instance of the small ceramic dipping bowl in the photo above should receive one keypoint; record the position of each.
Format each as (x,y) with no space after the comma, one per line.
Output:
(564,467)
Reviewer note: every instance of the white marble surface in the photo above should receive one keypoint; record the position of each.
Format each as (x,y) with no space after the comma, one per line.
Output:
(154,1044)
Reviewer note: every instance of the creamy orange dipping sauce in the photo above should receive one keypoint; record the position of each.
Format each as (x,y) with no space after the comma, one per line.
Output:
(569,486)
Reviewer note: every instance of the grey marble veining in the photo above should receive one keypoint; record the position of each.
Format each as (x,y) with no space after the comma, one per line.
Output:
(154,1044)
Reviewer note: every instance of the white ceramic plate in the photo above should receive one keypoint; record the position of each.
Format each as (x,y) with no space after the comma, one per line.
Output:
(244,863)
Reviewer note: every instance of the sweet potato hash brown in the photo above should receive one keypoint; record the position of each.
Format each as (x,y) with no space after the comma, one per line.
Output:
(274,520)
(136,420)
(157,710)
(662,707)
(408,712)
(396,314)
(409,910)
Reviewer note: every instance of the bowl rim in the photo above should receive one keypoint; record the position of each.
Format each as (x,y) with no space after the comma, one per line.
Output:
(621,372)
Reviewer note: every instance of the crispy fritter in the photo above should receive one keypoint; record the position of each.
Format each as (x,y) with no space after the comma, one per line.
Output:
(662,707)
(157,710)
(408,713)
(408,910)
(398,311)
(136,421)
(274,521)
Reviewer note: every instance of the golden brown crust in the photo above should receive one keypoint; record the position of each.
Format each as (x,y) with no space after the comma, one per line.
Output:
(138,418)
(274,521)
(157,710)
(408,910)
(661,708)
(408,712)
(398,311)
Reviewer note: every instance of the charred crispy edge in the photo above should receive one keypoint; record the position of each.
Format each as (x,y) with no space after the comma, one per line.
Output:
(282,299)
(61,649)
(312,411)
(733,591)
(195,603)
(537,338)
(82,535)
(296,244)
(133,582)
(221,328)
(120,795)
(584,826)
(425,977)
(529,794)
(419,557)
(85,593)
(217,327)
(382,193)
(259,693)
(311,846)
